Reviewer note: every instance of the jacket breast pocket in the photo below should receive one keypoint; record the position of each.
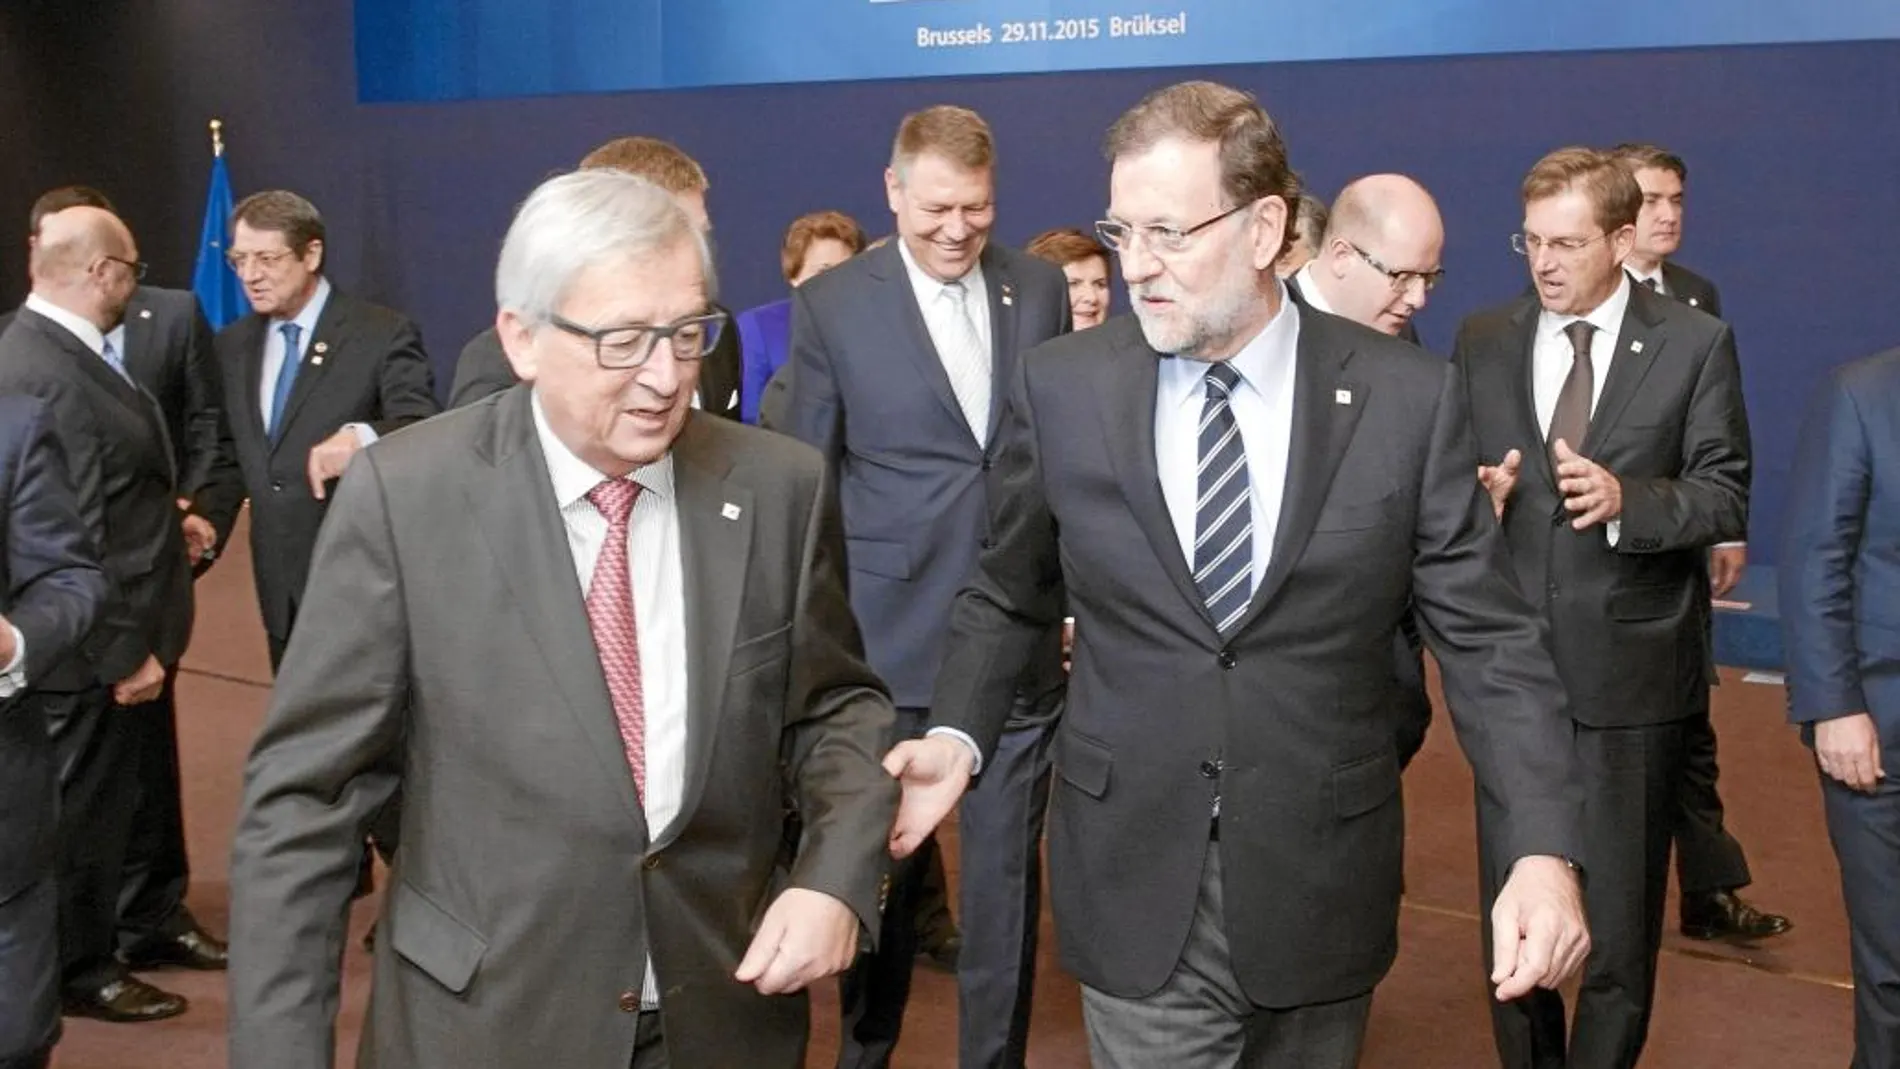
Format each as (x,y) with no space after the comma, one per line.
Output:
(761,650)
(1083,762)
(878,557)
(1360,515)
(426,936)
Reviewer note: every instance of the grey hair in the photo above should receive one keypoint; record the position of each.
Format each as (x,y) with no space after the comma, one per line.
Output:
(577,221)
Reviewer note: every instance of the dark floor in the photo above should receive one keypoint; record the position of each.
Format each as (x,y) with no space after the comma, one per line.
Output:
(1784,1005)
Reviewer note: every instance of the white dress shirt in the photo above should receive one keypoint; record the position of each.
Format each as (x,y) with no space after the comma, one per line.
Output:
(1309,288)
(659,599)
(13,676)
(1642,278)
(1263,408)
(1551,359)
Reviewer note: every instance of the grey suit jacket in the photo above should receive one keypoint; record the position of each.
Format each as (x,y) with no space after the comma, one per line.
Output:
(868,389)
(1291,718)
(444,650)
(1627,623)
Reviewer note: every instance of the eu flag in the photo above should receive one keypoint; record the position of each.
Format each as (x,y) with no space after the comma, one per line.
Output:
(212,279)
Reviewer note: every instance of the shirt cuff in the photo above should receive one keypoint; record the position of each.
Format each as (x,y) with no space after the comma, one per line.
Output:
(965,739)
(13,676)
(365,434)
(1730,545)
(1612,531)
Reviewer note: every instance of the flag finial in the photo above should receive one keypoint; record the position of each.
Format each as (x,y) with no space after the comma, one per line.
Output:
(217,137)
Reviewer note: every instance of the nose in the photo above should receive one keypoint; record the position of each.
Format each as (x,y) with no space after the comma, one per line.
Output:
(1543,256)
(1414,293)
(662,371)
(1138,264)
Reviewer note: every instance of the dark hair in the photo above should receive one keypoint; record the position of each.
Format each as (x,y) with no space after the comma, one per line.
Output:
(1638,157)
(284,212)
(1614,195)
(1253,158)
(58,200)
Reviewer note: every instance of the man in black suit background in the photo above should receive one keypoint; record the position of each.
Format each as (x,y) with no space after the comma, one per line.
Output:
(483,368)
(1241,500)
(896,373)
(50,592)
(1710,864)
(1626,411)
(311,376)
(168,352)
(62,348)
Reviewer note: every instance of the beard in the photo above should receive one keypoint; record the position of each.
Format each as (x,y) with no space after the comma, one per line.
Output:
(1205,326)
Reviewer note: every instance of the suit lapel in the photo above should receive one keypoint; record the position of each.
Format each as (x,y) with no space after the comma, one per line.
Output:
(715,519)
(1519,355)
(1003,354)
(1322,429)
(248,339)
(522,524)
(319,355)
(140,358)
(1638,340)
(907,320)
(1125,389)
(136,403)
(1681,286)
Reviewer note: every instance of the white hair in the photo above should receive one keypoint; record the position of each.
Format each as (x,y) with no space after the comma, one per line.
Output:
(576,221)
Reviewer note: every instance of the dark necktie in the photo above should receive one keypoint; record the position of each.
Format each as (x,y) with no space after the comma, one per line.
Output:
(1654,286)
(1223,509)
(1570,420)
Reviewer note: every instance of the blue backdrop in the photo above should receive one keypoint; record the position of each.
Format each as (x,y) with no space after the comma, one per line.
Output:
(458,49)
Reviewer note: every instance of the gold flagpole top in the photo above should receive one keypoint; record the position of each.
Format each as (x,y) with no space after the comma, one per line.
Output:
(217,137)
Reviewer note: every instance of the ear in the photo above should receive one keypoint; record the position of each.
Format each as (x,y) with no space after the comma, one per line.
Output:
(1623,242)
(517,341)
(893,189)
(1271,215)
(313,255)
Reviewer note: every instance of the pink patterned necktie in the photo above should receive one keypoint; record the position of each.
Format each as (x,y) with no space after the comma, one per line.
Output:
(610,616)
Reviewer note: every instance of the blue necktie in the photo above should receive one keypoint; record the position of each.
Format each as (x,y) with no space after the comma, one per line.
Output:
(115,358)
(286,378)
(1223,510)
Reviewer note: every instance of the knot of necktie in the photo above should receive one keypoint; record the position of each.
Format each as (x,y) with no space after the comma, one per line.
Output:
(614,499)
(1222,378)
(1579,334)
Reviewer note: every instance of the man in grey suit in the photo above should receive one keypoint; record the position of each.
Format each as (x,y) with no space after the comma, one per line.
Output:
(1626,410)
(1241,500)
(590,631)
(896,361)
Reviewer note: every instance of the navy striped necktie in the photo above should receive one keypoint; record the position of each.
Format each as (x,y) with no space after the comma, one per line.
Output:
(1223,509)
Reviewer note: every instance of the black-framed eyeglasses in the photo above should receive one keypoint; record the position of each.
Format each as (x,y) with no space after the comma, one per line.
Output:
(137,267)
(1401,280)
(631,345)
(1160,239)
(1531,244)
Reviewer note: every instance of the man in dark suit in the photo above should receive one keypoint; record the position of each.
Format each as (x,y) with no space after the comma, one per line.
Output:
(1839,592)
(1241,500)
(66,346)
(627,742)
(310,377)
(483,368)
(1377,262)
(1710,865)
(50,592)
(1625,411)
(168,352)
(897,361)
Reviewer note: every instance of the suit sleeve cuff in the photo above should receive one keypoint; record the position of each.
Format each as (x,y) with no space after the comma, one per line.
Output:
(965,739)
(1730,545)
(365,434)
(13,676)
(1613,532)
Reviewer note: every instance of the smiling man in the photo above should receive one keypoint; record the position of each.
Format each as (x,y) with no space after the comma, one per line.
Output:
(898,363)
(586,629)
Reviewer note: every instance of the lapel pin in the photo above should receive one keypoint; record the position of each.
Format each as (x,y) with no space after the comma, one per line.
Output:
(145,313)
(319,348)
(1636,346)
(730,512)
(1342,397)
(1693,303)
(1009,296)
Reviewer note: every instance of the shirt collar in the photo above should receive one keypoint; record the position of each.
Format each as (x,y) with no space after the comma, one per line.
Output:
(1641,277)
(1606,317)
(927,286)
(1270,350)
(1309,289)
(306,320)
(79,326)
(573,477)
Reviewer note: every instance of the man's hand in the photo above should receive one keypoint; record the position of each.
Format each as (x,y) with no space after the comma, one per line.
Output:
(934,771)
(200,538)
(141,686)
(329,457)
(1538,933)
(1848,749)
(805,936)
(1590,492)
(1725,568)
(1500,479)
(6,643)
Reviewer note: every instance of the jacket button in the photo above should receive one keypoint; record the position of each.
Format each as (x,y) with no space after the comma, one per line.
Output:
(630,1002)
(1227,659)
(1210,769)
(277,488)
(652,862)
(988,463)
(989,543)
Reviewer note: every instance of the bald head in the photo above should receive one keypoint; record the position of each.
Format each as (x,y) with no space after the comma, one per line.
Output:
(86,262)
(1390,219)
